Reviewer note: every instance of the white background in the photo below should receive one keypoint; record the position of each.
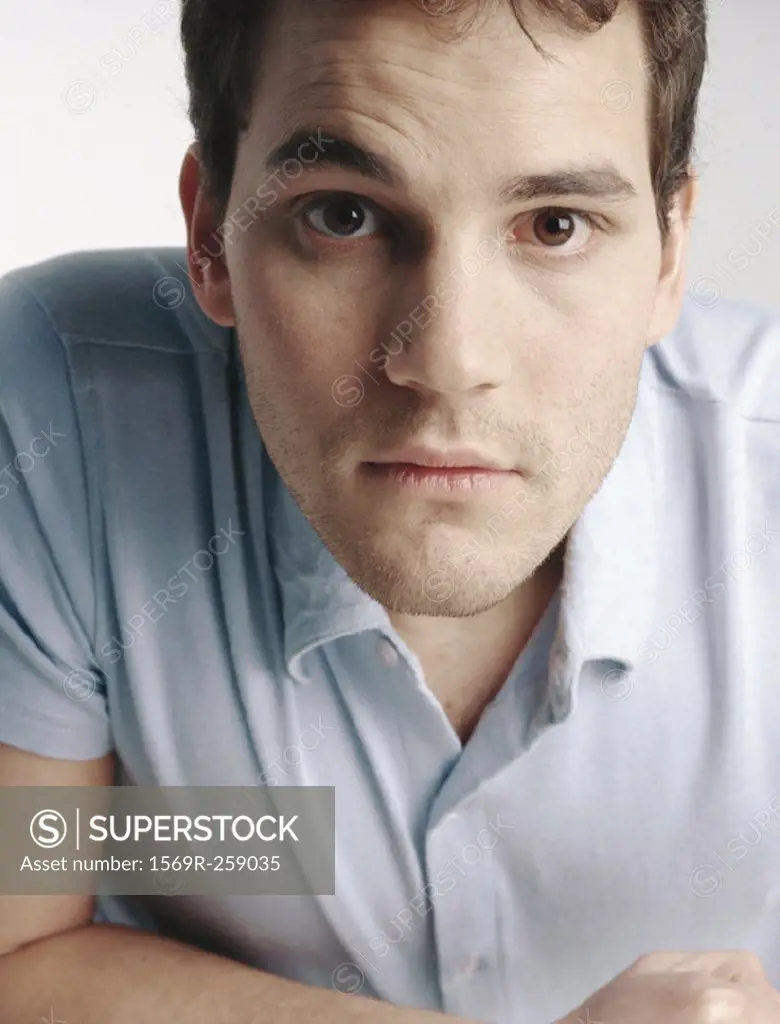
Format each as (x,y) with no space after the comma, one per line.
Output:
(92,143)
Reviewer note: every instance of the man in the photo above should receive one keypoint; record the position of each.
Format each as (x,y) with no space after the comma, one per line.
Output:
(426,485)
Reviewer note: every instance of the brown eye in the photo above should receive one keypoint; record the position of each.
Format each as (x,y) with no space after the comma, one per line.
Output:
(557,232)
(553,229)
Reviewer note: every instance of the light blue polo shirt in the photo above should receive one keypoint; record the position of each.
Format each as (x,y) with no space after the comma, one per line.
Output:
(162,595)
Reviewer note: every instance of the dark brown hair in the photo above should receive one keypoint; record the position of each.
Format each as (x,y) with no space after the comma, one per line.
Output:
(222,42)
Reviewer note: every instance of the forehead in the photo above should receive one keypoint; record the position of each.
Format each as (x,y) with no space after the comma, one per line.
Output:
(484,102)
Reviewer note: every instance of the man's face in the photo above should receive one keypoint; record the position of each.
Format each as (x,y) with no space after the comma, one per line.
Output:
(432,306)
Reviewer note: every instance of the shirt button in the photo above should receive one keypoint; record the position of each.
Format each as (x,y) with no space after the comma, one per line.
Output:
(387,653)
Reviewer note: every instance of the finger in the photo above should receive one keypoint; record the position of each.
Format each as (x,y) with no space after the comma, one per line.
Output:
(731,965)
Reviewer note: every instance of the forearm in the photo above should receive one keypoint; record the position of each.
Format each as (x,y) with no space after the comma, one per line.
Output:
(108,974)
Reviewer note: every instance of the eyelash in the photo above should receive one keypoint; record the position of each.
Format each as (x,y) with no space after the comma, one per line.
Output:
(304,205)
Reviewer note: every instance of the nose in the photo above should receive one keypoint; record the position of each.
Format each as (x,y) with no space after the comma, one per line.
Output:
(453,335)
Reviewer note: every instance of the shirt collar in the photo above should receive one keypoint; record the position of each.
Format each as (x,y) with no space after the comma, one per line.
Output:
(320,602)
(609,577)
(612,554)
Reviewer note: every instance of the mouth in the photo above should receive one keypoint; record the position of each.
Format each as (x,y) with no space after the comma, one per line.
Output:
(454,471)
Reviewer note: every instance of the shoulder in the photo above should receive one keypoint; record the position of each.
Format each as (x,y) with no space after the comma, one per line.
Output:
(728,354)
(136,297)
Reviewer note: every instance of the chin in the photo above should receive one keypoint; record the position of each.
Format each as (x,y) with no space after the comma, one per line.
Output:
(443,596)
(410,581)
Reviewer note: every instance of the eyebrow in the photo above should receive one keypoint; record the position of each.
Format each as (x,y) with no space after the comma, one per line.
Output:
(603,181)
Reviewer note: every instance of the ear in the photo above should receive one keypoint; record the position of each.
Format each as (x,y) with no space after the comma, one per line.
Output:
(674,259)
(205,244)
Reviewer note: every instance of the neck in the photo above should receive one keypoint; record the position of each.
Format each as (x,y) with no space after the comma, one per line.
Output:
(510,622)
(466,661)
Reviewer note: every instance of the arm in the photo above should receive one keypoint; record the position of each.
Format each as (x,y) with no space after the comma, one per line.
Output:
(53,960)
(108,974)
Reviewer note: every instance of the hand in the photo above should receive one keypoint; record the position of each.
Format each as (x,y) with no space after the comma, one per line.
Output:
(685,988)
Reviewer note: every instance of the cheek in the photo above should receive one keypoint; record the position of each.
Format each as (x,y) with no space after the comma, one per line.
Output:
(302,353)
(302,327)
(586,383)
(588,356)
(617,334)
(593,323)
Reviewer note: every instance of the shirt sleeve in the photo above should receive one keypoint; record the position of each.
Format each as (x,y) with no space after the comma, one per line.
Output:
(52,692)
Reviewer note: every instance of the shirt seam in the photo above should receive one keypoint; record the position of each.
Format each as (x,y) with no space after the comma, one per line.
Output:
(69,338)
(44,718)
(706,400)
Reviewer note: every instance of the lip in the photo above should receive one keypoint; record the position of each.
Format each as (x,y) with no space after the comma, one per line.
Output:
(461,473)
(465,460)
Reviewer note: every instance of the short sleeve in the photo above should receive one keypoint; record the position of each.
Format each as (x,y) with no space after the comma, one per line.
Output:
(52,693)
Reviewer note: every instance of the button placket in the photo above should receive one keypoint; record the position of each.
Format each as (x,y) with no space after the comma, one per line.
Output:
(463,909)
